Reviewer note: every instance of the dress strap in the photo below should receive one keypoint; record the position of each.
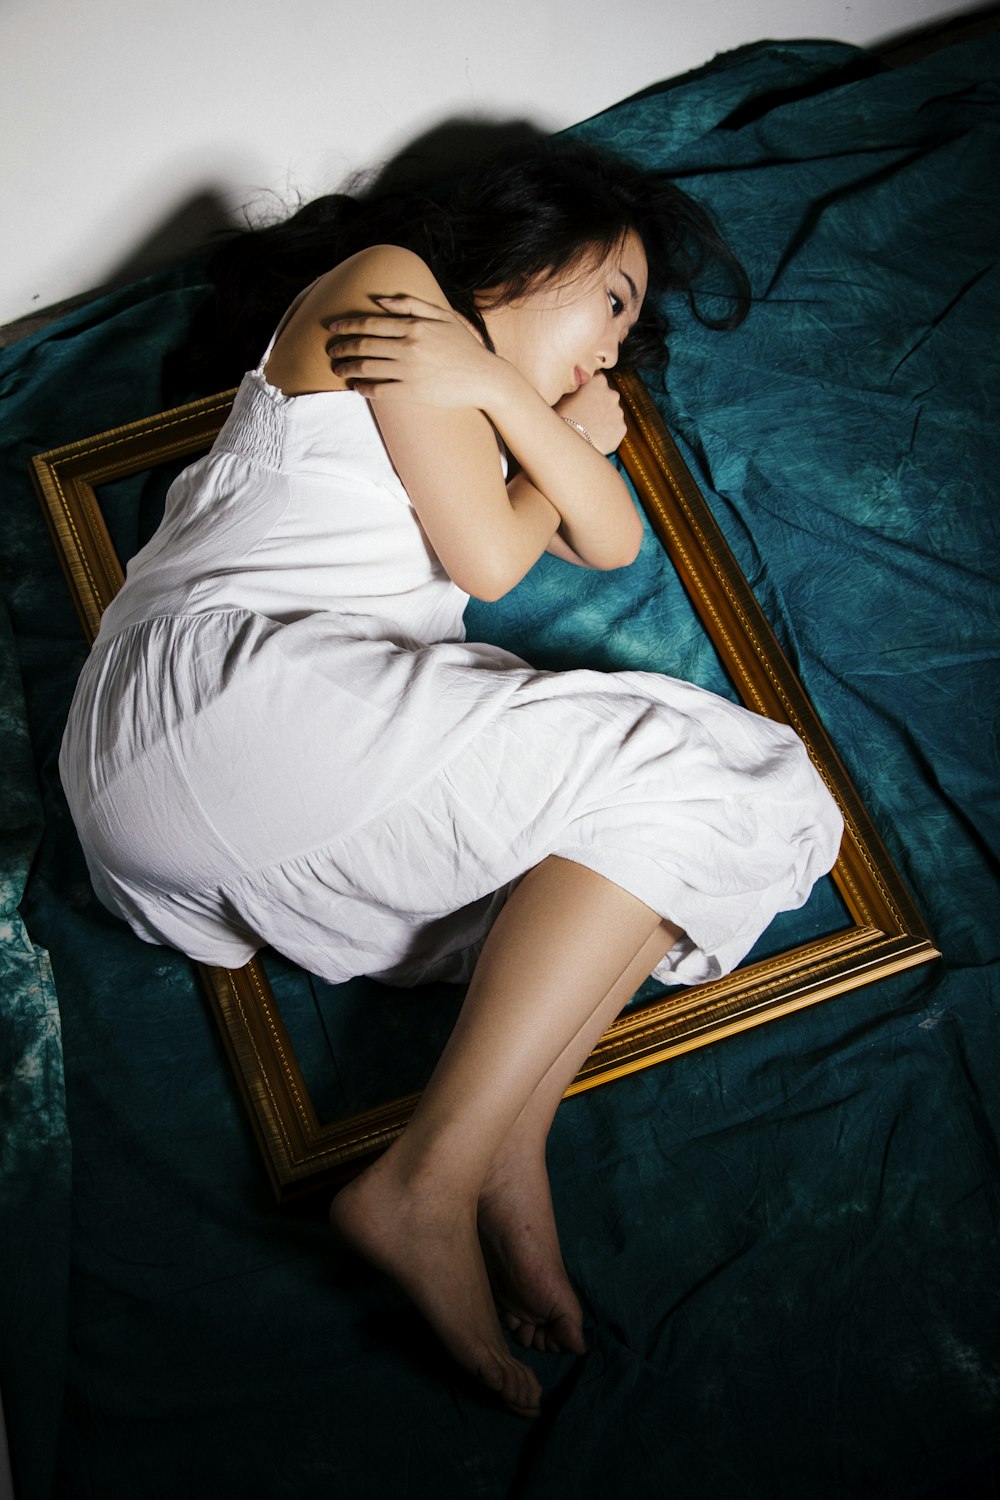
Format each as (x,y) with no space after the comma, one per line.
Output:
(259,369)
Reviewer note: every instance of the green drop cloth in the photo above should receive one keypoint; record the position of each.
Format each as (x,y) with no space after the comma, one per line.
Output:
(786,1244)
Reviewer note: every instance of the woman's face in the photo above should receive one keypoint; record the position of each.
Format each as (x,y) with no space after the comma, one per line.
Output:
(570,328)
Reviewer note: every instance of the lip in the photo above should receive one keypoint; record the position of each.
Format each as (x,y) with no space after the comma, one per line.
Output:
(580,376)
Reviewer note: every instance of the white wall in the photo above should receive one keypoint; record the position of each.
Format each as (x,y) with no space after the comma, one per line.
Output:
(129,129)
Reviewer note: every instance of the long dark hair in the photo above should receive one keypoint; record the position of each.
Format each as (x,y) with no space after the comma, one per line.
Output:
(532,211)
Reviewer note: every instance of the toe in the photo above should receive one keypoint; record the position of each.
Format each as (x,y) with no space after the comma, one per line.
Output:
(525,1394)
(560,1336)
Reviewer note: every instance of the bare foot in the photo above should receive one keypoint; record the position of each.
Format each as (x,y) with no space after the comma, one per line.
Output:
(517,1229)
(428,1244)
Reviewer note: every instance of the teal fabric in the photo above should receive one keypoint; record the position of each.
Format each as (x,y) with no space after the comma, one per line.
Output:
(786,1243)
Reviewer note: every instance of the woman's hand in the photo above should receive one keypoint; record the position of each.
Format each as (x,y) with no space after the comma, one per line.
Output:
(415,351)
(598,408)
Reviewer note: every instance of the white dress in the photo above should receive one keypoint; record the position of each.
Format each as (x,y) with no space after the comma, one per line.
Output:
(281,737)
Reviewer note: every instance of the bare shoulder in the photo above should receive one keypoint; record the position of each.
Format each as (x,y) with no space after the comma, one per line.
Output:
(379,271)
(299,362)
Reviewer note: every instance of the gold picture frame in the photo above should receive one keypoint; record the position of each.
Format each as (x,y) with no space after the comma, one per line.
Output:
(886,933)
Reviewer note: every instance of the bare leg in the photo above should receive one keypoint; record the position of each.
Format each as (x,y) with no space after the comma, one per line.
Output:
(516,1219)
(563,943)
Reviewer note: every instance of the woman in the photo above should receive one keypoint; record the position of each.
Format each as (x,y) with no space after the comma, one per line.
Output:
(282,737)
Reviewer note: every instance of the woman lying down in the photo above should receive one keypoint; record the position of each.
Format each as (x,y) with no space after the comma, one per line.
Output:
(282,736)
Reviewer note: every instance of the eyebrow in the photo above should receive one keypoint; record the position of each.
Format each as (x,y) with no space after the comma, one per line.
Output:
(632,285)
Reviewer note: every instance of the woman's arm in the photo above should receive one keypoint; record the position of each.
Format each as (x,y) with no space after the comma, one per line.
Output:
(424,353)
(435,393)
(596,408)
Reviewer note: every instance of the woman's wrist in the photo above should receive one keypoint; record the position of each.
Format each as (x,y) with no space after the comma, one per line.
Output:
(506,389)
(596,513)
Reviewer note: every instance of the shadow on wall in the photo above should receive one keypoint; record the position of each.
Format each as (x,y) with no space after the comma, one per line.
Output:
(910,44)
(187,229)
(198,221)
(205,219)
(255,280)
(452,146)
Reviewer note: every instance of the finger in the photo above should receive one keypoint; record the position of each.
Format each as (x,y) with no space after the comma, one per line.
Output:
(343,350)
(382,390)
(349,345)
(365,367)
(375,388)
(401,305)
(372,325)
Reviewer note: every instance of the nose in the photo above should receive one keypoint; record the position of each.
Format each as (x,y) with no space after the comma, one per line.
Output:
(608,356)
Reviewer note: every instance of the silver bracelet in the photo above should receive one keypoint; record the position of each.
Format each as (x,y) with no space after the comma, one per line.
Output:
(580,429)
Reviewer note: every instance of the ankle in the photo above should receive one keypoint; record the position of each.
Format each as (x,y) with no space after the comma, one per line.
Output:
(428,1176)
(514,1165)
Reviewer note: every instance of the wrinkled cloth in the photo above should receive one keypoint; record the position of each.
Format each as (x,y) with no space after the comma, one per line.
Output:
(786,1244)
(282,738)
